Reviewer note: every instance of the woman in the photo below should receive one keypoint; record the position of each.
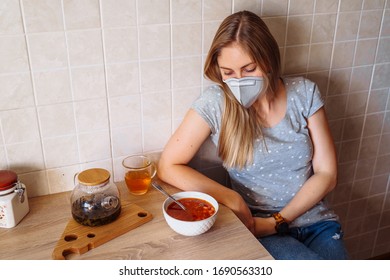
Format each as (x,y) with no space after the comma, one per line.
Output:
(273,138)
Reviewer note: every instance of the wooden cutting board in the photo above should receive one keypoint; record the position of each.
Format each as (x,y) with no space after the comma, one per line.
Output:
(79,239)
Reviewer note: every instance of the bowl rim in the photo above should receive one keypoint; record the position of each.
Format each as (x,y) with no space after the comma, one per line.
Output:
(188,194)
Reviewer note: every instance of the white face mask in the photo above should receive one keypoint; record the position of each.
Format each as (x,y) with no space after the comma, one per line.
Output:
(246,90)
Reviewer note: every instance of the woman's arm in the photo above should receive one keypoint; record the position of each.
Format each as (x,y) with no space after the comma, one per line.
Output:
(173,169)
(319,184)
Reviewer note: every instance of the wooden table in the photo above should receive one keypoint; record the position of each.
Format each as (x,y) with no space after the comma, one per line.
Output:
(36,236)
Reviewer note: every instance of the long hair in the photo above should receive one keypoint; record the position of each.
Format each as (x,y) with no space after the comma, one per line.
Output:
(240,127)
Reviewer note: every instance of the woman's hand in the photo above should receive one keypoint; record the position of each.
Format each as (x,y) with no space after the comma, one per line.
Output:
(240,208)
(264,226)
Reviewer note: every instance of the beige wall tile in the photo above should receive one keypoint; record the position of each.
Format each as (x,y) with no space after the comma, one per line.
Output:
(383,50)
(94,146)
(88,82)
(299,30)
(373,4)
(43,15)
(121,44)
(296,59)
(210,28)
(379,185)
(339,81)
(47,50)
(326,6)
(360,190)
(56,120)
(343,54)
(61,179)
(186,72)
(347,27)
(277,26)
(365,52)
(335,106)
(301,7)
(157,106)
(248,5)
(125,110)
(216,9)
(384,147)
(52,87)
(162,129)
(354,127)
(153,11)
(3,158)
(373,124)
(148,36)
(126,140)
(323,28)
(10,17)
(182,100)
(382,165)
(16,91)
(336,127)
(320,56)
(85,47)
(25,157)
(13,54)
(186,11)
(19,125)
(275,8)
(364,168)
(186,39)
(36,183)
(155,75)
(361,78)
(350,5)
(370,24)
(357,103)
(67,155)
(81,14)
(122,79)
(91,115)
(118,13)
(386,23)
(369,147)
(349,151)
(381,74)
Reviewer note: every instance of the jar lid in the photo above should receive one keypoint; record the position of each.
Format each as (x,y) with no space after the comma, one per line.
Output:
(94,176)
(7,179)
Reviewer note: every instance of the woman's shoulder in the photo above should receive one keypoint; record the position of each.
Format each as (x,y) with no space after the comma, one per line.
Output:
(295,83)
(304,93)
(213,92)
(212,95)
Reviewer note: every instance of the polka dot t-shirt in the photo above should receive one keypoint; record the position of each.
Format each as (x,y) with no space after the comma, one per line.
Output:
(282,166)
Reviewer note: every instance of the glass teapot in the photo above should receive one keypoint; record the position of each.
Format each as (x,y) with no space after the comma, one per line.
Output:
(95,200)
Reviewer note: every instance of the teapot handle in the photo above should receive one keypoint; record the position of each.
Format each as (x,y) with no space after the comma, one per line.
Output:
(74,179)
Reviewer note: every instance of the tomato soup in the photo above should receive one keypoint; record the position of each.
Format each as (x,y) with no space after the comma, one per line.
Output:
(197,209)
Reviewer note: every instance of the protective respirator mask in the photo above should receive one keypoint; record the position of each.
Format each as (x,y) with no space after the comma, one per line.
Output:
(246,90)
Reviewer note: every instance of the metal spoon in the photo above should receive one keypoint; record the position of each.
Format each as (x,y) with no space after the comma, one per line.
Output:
(158,187)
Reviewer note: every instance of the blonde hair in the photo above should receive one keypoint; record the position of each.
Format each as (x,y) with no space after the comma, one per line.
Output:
(240,127)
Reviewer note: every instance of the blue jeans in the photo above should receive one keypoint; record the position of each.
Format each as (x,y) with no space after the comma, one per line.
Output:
(319,241)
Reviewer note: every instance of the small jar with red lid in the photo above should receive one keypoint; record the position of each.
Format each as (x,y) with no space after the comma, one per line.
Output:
(13,199)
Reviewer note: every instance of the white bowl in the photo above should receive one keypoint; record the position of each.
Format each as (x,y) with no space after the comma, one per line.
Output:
(190,228)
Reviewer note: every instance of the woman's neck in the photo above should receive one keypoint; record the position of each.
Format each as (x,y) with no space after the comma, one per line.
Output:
(272,109)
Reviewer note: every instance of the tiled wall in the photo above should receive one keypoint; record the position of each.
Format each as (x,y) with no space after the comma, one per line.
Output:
(83,83)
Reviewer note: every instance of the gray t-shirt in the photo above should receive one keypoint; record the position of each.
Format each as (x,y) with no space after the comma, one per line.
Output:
(282,166)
